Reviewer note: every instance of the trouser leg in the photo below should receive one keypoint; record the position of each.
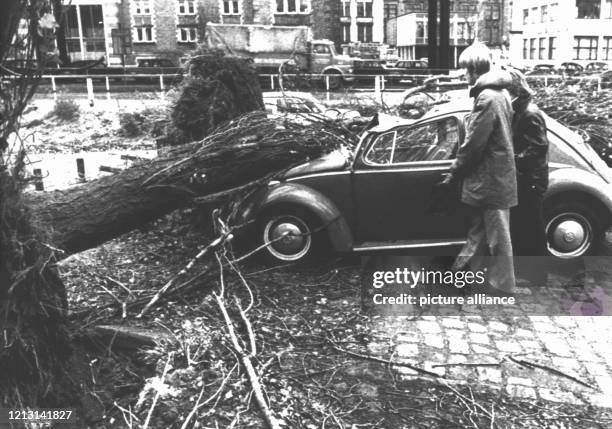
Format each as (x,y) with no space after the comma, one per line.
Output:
(501,263)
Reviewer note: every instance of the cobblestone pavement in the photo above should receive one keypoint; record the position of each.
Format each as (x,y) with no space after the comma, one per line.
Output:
(548,357)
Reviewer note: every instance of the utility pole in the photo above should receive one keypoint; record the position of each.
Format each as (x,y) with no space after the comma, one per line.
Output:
(438,51)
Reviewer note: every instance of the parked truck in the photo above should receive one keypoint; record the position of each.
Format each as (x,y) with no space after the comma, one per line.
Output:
(272,46)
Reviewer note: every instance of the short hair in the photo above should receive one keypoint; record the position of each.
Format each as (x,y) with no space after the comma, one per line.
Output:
(476,58)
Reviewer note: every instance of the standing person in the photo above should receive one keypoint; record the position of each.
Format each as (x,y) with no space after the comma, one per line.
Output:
(531,156)
(485,165)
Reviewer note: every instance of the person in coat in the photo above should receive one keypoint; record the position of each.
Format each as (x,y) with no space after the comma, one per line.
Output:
(485,165)
(527,226)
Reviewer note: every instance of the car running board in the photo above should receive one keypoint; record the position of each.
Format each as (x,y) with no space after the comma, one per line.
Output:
(370,246)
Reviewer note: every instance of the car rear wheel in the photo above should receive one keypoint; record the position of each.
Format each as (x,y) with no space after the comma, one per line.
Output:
(572,230)
(289,235)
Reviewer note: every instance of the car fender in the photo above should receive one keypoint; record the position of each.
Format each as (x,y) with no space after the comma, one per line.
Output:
(298,195)
(576,180)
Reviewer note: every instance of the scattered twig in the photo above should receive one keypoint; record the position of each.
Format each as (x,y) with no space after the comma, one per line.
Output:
(245,358)
(385,361)
(156,397)
(532,365)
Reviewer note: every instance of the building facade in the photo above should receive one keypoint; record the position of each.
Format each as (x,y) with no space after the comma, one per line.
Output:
(123,31)
(556,31)
(485,20)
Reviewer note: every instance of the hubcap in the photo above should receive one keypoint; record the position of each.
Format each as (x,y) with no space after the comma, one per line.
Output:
(288,238)
(569,235)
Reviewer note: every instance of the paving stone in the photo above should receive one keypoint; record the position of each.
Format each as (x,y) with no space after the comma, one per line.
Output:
(520,381)
(491,375)
(428,327)
(516,391)
(565,364)
(476,327)
(435,341)
(456,358)
(523,333)
(558,395)
(452,322)
(481,350)
(556,345)
(508,346)
(407,349)
(407,338)
(530,346)
(458,345)
(479,338)
(601,400)
(498,326)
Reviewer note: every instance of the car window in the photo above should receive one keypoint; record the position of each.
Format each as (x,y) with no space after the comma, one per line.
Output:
(380,152)
(434,141)
(321,49)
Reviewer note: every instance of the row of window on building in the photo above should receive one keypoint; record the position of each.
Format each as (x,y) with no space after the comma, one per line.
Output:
(585,9)
(585,48)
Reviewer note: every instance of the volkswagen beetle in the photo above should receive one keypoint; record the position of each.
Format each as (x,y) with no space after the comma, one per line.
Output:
(377,196)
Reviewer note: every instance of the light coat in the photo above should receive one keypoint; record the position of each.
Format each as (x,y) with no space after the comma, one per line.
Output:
(485,160)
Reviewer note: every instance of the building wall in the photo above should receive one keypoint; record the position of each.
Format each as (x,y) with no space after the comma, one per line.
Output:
(563,24)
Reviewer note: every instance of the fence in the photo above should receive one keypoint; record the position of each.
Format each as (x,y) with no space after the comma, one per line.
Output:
(328,83)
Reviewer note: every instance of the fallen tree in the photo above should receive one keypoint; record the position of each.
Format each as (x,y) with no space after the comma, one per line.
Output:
(239,153)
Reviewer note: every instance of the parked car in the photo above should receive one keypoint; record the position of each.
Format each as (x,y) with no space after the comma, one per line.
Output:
(596,67)
(542,69)
(366,70)
(376,198)
(571,69)
(410,71)
(606,79)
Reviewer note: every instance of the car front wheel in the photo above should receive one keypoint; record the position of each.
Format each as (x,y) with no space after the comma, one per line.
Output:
(572,230)
(289,236)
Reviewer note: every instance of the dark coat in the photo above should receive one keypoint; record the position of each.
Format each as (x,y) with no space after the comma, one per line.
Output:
(485,160)
(530,147)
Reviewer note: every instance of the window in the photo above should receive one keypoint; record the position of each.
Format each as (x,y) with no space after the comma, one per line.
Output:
(142,7)
(588,9)
(607,48)
(346,33)
(364,32)
(364,8)
(143,34)
(542,48)
(435,141)
(186,7)
(421,33)
(230,7)
(585,48)
(525,48)
(552,47)
(552,11)
(390,10)
(525,16)
(346,9)
(544,13)
(320,49)
(187,34)
(606,13)
(534,15)
(292,6)
(532,49)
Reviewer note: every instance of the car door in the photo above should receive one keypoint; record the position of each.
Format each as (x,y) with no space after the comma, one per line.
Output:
(393,181)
